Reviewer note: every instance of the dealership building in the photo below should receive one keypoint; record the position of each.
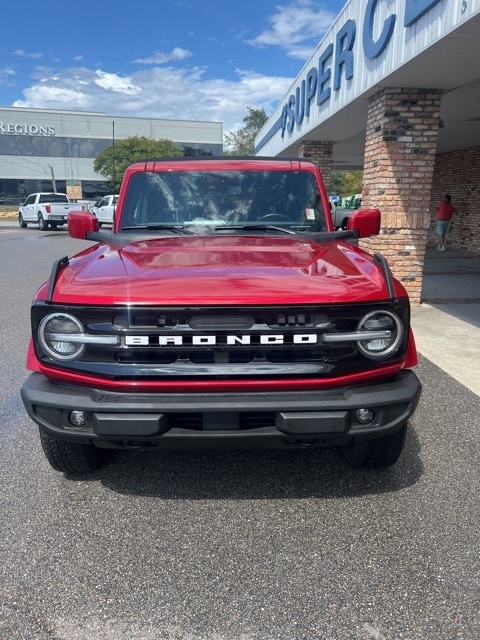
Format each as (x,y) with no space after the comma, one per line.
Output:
(46,149)
(393,89)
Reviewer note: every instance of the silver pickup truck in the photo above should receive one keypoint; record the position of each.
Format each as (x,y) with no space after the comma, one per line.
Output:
(339,215)
(46,210)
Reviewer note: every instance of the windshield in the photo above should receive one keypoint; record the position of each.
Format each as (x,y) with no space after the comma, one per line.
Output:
(202,201)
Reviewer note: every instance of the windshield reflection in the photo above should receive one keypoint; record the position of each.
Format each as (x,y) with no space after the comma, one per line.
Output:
(204,200)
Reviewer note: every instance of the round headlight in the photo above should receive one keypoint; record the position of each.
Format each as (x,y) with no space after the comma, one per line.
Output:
(387,333)
(61,336)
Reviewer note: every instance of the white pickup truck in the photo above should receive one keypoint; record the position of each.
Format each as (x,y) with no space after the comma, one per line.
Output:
(105,209)
(46,210)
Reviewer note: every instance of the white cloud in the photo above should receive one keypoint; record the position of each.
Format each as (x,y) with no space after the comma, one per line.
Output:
(158,57)
(23,54)
(56,97)
(6,74)
(297,28)
(159,92)
(113,82)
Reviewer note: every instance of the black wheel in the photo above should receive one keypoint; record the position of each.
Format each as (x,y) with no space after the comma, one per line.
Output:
(71,457)
(54,225)
(375,454)
(42,224)
(21,221)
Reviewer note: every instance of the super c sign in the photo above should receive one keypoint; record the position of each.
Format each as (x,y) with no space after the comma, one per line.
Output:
(336,63)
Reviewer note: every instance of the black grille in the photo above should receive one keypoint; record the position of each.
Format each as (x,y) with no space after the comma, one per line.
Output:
(221,343)
(246,420)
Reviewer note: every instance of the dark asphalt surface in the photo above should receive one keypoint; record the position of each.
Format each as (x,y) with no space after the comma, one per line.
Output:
(239,545)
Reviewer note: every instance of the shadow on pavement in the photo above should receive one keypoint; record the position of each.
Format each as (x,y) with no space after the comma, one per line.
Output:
(253,475)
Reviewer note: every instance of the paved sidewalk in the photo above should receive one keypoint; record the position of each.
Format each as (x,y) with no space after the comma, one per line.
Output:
(447,323)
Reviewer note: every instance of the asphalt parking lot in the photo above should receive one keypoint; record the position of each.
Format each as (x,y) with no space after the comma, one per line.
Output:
(244,545)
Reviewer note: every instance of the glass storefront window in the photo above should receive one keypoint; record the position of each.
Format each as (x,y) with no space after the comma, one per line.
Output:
(51,147)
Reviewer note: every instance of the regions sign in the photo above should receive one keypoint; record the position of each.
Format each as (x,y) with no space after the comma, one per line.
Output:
(26,129)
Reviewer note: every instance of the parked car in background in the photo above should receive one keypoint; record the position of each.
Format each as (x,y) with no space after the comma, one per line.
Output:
(105,209)
(46,210)
(340,215)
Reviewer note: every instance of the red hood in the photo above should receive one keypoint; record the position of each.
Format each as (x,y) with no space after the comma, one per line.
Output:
(206,270)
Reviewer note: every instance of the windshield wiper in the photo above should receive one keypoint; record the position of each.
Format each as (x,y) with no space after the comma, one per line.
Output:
(253,226)
(180,228)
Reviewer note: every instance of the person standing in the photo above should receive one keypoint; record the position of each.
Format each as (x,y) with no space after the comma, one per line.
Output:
(445,211)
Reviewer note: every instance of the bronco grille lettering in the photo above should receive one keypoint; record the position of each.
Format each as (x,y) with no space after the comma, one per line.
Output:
(229,340)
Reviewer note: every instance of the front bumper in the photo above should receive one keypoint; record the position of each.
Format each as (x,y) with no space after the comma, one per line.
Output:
(226,420)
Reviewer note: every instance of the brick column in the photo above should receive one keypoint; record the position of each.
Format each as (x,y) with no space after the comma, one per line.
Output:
(401,140)
(321,153)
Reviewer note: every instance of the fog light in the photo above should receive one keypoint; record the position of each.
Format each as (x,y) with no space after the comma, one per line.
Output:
(77,418)
(365,416)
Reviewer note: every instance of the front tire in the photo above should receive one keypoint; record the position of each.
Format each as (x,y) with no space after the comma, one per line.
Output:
(42,223)
(375,454)
(21,221)
(71,457)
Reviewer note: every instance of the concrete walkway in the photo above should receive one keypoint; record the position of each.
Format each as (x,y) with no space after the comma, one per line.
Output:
(447,323)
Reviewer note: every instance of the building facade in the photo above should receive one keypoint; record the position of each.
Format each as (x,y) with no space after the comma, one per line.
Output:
(43,149)
(393,89)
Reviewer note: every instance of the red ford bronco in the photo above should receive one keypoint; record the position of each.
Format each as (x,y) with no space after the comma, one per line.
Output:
(222,310)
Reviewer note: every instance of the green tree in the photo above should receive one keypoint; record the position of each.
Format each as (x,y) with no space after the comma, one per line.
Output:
(347,183)
(193,152)
(338,183)
(353,182)
(242,142)
(113,160)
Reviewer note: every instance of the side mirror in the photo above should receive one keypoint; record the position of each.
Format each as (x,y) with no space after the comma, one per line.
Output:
(366,222)
(81,224)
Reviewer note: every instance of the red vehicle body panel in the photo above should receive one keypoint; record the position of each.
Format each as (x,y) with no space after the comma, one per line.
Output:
(233,270)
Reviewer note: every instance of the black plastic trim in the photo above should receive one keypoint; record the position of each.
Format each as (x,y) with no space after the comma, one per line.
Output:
(282,419)
(57,267)
(387,273)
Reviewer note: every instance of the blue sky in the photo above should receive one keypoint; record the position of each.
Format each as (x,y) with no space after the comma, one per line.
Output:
(186,59)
